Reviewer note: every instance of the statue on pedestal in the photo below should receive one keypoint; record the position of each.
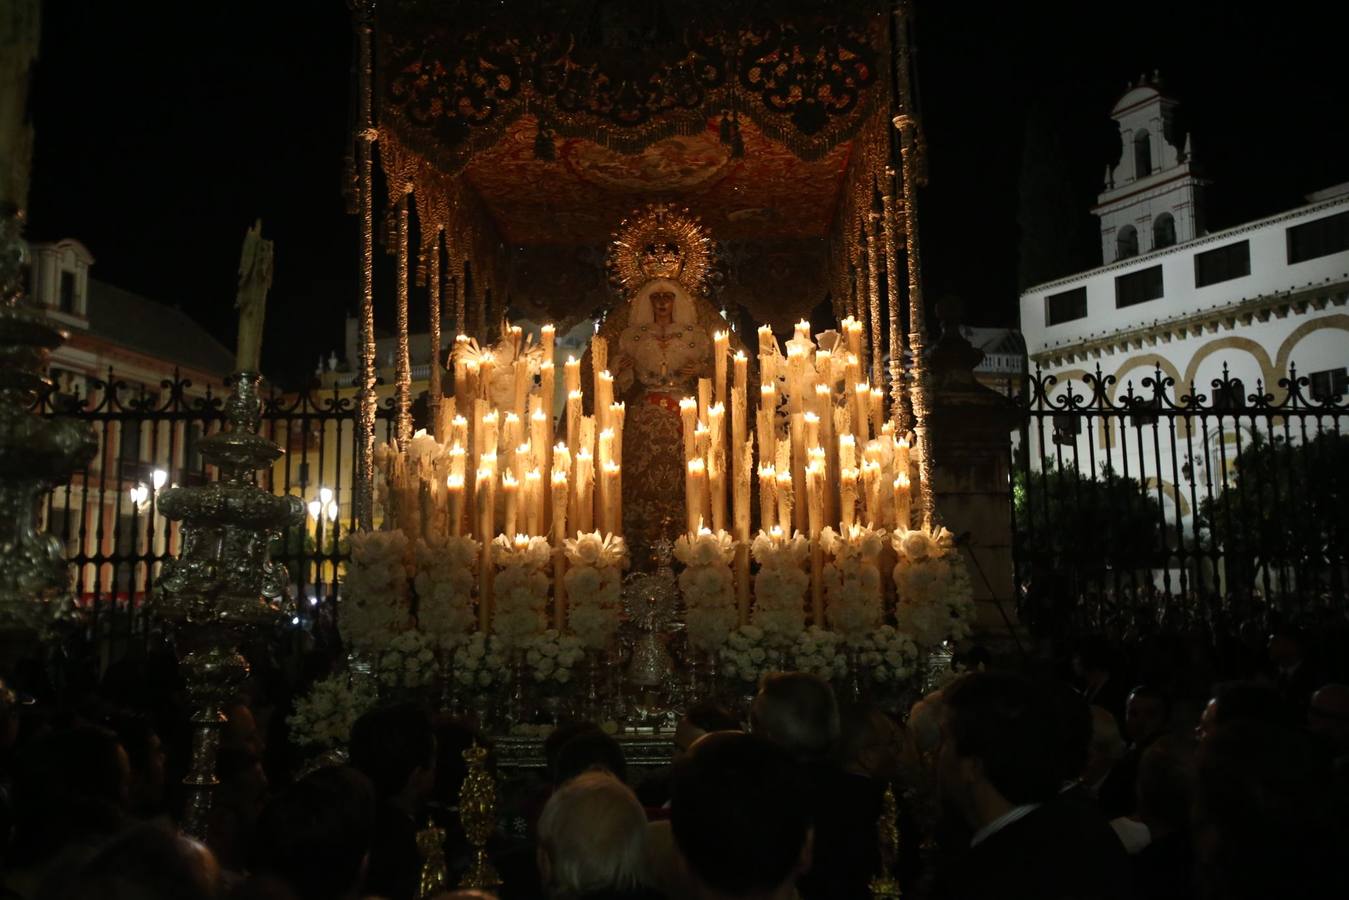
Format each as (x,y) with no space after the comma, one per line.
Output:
(255,279)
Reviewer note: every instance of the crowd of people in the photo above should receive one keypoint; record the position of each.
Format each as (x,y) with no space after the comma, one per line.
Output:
(1008,785)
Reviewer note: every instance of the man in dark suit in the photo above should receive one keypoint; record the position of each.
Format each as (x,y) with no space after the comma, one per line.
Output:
(1000,770)
(1147,717)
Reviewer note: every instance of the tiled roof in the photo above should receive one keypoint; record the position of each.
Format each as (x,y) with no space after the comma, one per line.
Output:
(154,329)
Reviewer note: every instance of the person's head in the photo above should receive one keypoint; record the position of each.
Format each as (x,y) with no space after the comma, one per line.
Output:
(871,743)
(1235,701)
(701,719)
(1106,746)
(1072,726)
(240,731)
(592,750)
(1165,786)
(315,836)
(998,746)
(1285,647)
(147,862)
(739,815)
(1328,716)
(592,837)
(145,753)
(70,786)
(662,306)
(1147,713)
(557,738)
(797,711)
(1093,657)
(1263,816)
(395,748)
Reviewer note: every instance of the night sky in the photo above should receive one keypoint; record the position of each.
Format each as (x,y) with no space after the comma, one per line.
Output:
(161,135)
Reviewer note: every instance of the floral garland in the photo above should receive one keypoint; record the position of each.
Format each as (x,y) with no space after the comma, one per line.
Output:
(323,717)
(885,655)
(552,656)
(407,662)
(936,599)
(852,580)
(375,595)
(444,583)
(744,654)
(780,586)
(707,586)
(594,587)
(819,652)
(479,662)
(520,590)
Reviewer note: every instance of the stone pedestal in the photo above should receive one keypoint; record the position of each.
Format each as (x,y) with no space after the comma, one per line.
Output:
(970,427)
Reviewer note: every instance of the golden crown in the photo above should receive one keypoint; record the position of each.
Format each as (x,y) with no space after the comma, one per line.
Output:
(660,241)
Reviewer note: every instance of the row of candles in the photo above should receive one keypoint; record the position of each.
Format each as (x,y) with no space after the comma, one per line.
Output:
(503,471)
(836,464)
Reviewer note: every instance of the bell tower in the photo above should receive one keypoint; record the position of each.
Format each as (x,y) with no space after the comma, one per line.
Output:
(1152,195)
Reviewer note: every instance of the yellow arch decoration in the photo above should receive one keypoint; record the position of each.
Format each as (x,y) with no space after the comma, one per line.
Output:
(1338,321)
(1151,360)
(1171,491)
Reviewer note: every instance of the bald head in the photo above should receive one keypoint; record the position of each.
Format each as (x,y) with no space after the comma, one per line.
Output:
(1328,715)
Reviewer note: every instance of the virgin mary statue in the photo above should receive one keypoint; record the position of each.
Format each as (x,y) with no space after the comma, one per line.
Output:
(661,344)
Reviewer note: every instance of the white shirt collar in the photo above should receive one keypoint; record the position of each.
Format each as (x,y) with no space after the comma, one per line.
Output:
(1016,813)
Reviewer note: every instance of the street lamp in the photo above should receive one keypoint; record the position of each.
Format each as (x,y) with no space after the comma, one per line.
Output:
(160,478)
(140,495)
(315,509)
(325,495)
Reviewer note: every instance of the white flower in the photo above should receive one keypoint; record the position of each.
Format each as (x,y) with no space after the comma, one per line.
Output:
(705,548)
(323,718)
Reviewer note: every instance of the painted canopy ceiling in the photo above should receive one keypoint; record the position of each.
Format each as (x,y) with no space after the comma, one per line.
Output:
(581,195)
(565,120)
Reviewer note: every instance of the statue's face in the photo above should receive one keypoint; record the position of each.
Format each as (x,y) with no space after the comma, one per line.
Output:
(662,305)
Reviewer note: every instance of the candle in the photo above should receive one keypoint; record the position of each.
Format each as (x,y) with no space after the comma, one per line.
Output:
(523,382)
(511,433)
(812,425)
(510,488)
(604,458)
(824,366)
(768,499)
(802,331)
(720,345)
(585,493)
(454,487)
(695,480)
(861,411)
(871,472)
(847,497)
(768,345)
(599,354)
(902,456)
(547,336)
(604,397)
(716,464)
(573,422)
(877,409)
(486,363)
(798,468)
(815,491)
(489,434)
(740,364)
(609,475)
(704,396)
(903,500)
(688,412)
(548,388)
(486,492)
(571,375)
(784,494)
(459,431)
(617,414)
(765,421)
(533,501)
(559,532)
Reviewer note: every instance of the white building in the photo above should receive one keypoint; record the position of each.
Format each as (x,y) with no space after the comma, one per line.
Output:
(1258,298)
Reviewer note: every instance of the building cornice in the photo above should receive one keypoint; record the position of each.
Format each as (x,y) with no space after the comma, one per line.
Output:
(1224,318)
(1216,237)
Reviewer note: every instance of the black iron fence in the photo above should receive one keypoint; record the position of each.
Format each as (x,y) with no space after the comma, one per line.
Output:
(149,435)
(1151,505)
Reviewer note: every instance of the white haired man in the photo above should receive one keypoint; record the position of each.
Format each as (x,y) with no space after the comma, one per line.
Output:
(592,840)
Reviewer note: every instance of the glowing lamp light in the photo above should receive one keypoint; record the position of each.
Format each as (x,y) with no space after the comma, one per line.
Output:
(315,509)
(332,512)
(139,494)
(160,478)
(325,495)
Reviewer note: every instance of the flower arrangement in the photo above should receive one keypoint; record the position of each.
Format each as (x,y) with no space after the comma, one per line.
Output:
(707,586)
(520,590)
(479,662)
(744,654)
(444,583)
(551,657)
(885,655)
(852,580)
(780,585)
(936,599)
(323,717)
(375,596)
(594,587)
(819,652)
(407,662)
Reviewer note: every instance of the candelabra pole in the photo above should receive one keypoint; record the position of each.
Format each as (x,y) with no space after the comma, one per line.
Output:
(223,584)
(363,18)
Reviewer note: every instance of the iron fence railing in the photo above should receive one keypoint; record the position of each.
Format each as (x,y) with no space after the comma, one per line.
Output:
(108,518)
(1160,505)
